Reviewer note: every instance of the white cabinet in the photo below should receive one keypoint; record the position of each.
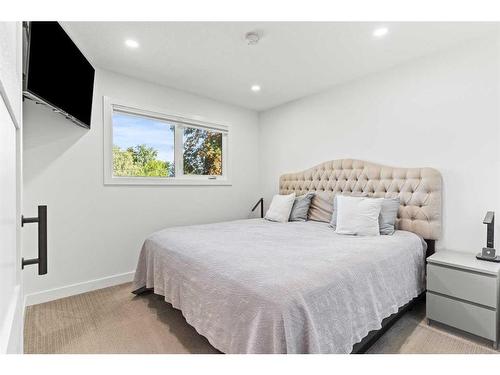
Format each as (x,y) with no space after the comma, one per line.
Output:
(463,292)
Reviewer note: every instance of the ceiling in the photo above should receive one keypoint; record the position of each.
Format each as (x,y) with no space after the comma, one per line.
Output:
(292,59)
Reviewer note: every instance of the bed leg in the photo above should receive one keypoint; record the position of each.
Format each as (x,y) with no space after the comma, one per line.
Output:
(142,290)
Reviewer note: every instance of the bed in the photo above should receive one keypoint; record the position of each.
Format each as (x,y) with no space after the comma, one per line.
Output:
(254,286)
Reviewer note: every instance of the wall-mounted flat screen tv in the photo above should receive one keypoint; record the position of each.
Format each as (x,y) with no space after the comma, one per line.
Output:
(57,73)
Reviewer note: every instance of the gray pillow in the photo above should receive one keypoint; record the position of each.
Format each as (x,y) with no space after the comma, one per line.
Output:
(301,207)
(388,215)
(386,219)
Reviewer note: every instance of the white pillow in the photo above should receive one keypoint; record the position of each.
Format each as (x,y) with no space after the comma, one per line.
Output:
(358,215)
(280,208)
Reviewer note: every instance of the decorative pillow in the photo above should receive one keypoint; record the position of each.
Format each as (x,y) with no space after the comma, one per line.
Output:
(388,215)
(333,221)
(386,219)
(280,208)
(321,207)
(301,207)
(358,215)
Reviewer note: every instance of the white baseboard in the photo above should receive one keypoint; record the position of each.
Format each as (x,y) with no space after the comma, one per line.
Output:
(73,289)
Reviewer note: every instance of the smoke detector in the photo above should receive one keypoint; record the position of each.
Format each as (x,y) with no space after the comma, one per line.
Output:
(252,38)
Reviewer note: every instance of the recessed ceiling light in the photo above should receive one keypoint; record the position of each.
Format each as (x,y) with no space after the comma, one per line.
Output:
(131,43)
(380,32)
(255,88)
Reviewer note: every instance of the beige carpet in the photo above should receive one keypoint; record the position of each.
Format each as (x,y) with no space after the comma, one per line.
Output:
(112,320)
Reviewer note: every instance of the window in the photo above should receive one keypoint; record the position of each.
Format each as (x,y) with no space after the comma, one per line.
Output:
(142,146)
(202,152)
(150,147)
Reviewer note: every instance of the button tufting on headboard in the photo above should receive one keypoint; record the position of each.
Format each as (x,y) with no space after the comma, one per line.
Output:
(419,189)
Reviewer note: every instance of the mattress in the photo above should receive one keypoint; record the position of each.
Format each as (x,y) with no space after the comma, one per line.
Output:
(254,286)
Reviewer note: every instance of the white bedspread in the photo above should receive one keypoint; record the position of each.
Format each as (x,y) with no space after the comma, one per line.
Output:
(254,286)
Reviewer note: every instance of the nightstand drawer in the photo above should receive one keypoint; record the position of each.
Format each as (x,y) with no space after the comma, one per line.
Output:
(470,286)
(470,318)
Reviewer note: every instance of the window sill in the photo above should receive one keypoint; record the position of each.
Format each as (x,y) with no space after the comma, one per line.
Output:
(147,181)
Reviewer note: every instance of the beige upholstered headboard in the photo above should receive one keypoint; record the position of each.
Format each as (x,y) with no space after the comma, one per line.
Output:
(419,189)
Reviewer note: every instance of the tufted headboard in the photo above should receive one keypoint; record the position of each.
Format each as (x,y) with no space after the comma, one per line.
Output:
(419,189)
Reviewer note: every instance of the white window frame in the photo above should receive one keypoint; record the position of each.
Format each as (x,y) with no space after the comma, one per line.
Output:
(179,121)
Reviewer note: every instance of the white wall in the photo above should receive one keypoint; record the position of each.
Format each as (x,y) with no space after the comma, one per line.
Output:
(440,111)
(96,231)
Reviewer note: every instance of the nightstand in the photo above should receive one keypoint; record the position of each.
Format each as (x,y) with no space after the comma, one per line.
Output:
(463,292)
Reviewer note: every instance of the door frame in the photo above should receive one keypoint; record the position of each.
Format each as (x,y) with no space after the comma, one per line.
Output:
(11,328)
